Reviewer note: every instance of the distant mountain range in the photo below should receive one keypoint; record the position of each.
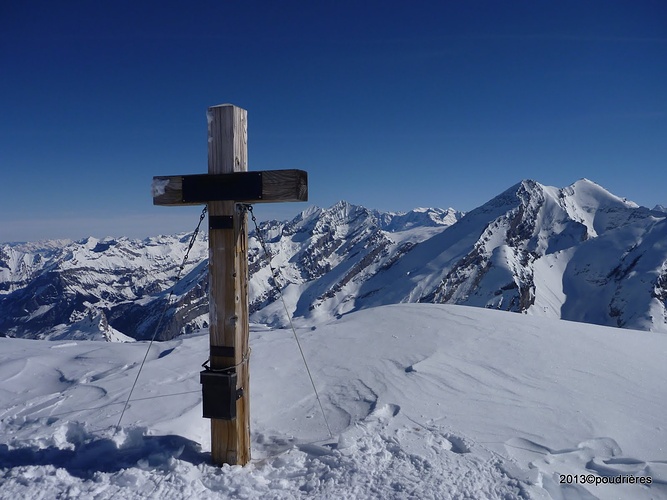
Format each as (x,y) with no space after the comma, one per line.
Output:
(578,253)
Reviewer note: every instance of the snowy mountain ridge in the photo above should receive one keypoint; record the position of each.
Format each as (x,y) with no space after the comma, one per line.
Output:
(578,253)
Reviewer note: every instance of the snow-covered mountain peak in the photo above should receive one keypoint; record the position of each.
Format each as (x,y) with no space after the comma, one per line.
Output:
(546,208)
(534,247)
(578,253)
(342,209)
(595,207)
(530,185)
(309,212)
(592,195)
(505,201)
(90,242)
(419,217)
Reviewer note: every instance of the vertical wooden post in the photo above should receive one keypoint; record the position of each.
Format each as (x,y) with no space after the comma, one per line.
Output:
(228,281)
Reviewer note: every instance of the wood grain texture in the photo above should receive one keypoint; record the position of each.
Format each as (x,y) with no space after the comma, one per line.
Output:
(276,186)
(284,185)
(228,282)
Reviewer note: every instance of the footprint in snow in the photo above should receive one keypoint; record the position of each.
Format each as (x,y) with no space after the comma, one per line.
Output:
(383,412)
(378,417)
(458,444)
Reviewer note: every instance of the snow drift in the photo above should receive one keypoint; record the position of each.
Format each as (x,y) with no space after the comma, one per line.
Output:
(425,401)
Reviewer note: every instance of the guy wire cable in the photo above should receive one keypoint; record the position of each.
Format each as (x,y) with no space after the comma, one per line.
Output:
(164,310)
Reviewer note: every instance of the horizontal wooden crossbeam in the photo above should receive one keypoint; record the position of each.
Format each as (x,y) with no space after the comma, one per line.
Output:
(266,186)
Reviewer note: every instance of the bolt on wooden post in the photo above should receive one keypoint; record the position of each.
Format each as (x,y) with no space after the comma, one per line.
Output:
(226,389)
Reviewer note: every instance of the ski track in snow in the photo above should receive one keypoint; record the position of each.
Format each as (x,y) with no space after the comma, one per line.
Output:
(425,402)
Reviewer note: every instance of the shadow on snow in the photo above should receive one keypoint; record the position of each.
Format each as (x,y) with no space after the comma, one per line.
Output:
(104,455)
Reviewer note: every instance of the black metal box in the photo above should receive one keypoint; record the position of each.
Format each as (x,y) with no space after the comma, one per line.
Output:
(219,394)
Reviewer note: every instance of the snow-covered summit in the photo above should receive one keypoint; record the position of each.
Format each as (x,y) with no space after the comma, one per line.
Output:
(424,401)
(420,217)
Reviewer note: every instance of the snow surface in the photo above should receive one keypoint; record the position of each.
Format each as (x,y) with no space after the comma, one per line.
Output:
(425,401)
(159,186)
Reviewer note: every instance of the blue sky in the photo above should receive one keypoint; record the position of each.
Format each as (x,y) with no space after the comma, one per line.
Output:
(391,105)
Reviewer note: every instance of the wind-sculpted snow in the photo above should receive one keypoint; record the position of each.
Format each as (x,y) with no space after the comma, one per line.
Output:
(425,401)
(578,253)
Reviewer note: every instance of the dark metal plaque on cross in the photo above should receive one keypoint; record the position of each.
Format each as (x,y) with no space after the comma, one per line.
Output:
(264,186)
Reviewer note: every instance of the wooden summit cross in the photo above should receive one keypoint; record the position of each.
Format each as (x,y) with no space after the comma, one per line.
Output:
(226,391)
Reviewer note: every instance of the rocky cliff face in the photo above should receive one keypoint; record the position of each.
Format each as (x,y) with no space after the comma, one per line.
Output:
(577,253)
